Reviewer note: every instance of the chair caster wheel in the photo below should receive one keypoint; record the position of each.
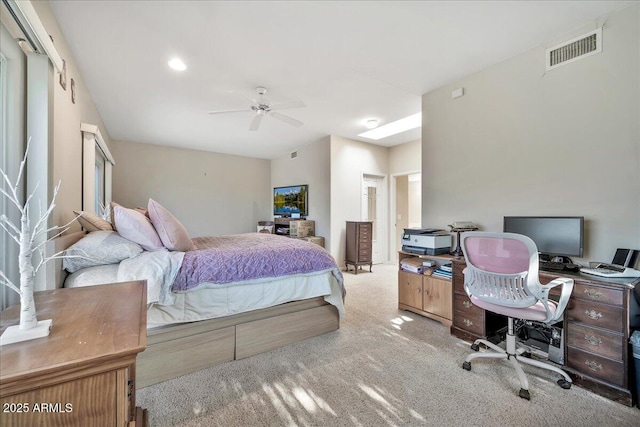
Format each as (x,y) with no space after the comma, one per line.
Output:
(564,384)
(526,354)
(466,366)
(475,347)
(524,394)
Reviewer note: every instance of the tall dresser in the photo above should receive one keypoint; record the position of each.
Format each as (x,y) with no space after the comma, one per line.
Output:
(359,244)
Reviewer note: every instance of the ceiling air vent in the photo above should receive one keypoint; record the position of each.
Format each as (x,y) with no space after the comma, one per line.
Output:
(574,49)
(294,154)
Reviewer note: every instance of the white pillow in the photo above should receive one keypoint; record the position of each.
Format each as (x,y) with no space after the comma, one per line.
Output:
(134,226)
(99,248)
(171,231)
(90,276)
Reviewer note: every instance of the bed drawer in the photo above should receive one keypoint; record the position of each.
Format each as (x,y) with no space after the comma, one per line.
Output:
(158,362)
(268,334)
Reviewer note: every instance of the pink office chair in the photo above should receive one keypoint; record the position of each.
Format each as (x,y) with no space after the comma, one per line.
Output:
(502,276)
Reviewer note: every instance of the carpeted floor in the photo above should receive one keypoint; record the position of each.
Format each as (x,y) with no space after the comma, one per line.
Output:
(384,367)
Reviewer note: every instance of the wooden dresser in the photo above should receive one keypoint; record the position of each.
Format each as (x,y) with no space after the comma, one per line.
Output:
(359,244)
(83,373)
(596,330)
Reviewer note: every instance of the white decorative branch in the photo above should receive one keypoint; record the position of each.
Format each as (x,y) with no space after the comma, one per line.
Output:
(27,238)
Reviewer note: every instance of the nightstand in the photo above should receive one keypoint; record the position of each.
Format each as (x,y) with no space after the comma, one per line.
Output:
(83,373)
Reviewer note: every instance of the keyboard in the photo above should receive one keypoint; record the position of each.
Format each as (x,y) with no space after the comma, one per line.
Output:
(558,266)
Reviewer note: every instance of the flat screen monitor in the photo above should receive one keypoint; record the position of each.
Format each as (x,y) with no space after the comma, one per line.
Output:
(291,200)
(553,235)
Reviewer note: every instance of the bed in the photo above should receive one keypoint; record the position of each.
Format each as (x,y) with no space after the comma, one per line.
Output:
(199,318)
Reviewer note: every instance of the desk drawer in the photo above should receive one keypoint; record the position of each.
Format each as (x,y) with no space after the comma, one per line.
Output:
(468,316)
(595,340)
(594,314)
(595,366)
(597,294)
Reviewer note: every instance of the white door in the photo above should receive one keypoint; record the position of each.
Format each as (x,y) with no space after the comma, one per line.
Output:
(373,196)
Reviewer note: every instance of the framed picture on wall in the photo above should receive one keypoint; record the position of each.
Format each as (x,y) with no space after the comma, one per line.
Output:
(63,75)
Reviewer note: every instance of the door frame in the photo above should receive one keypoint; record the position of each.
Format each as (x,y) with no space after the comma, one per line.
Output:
(383,239)
(393,212)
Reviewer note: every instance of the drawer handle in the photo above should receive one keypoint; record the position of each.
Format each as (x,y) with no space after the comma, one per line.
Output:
(592,314)
(467,322)
(593,340)
(593,293)
(467,304)
(593,365)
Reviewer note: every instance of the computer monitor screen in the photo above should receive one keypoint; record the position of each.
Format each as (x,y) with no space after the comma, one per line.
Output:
(559,235)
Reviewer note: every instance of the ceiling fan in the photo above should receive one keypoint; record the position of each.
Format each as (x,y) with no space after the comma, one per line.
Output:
(262,107)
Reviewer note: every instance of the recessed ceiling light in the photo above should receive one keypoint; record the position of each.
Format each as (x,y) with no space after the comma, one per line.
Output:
(371,124)
(394,128)
(177,64)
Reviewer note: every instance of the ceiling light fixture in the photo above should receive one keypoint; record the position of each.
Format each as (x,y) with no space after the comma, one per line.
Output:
(371,124)
(394,128)
(177,64)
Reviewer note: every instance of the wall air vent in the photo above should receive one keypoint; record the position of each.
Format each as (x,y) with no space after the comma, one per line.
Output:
(574,49)
(294,154)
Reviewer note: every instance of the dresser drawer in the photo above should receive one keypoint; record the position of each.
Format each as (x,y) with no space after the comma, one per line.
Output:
(594,340)
(594,314)
(597,294)
(468,316)
(364,233)
(595,366)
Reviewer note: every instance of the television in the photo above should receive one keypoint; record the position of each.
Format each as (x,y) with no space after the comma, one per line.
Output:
(291,201)
(553,235)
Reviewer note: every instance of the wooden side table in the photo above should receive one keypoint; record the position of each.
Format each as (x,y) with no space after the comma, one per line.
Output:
(83,373)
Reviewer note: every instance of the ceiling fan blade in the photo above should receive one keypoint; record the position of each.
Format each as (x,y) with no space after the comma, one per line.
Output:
(288,120)
(255,123)
(229,111)
(287,105)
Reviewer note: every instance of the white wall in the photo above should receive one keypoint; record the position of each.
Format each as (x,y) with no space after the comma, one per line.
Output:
(211,194)
(522,141)
(349,160)
(404,160)
(312,167)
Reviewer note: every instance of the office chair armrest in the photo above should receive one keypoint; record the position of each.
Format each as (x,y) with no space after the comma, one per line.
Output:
(565,294)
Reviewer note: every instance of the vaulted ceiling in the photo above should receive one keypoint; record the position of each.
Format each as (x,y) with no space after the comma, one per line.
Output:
(347,61)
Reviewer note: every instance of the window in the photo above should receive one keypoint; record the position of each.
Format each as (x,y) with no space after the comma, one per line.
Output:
(96,170)
(100,202)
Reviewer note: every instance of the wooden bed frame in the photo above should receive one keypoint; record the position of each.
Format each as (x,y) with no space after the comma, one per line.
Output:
(180,349)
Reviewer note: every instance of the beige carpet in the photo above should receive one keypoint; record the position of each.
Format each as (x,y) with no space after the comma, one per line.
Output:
(384,367)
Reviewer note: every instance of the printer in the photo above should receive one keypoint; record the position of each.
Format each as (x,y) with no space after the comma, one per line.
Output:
(426,241)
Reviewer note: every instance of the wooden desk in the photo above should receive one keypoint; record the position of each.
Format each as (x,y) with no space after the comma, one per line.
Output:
(83,373)
(596,330)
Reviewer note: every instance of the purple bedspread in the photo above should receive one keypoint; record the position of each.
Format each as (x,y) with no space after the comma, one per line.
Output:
(226,259)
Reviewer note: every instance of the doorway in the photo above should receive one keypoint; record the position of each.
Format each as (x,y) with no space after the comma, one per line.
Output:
(406,206)
(373,202)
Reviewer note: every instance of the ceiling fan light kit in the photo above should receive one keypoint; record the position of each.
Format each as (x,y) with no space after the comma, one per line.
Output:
(262,107)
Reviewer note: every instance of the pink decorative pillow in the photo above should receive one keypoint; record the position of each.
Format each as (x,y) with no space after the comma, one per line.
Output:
(171,231)
(134,226)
